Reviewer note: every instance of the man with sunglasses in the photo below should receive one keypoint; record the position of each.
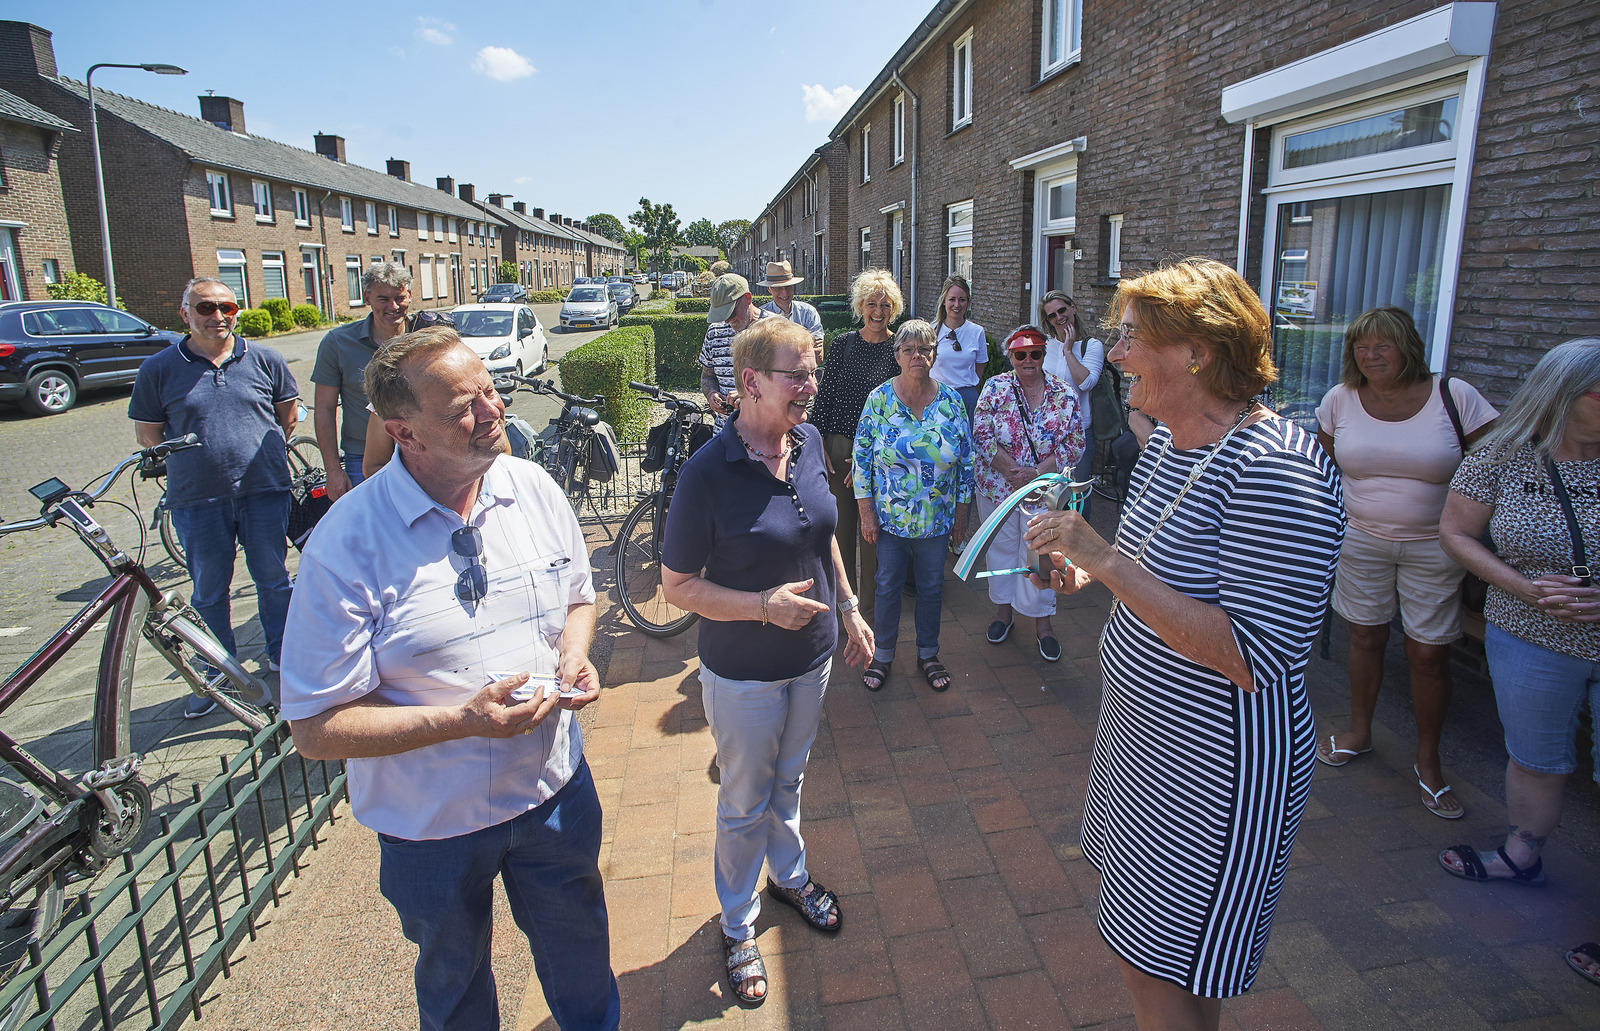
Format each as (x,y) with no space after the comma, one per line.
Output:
(341,362)
(440,632)
(239,399)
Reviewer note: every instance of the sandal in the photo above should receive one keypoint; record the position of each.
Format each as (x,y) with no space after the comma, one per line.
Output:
(814,902)
(1431,798)
(938,676)
(1591,950)
(744,966)
(876,675)
(1472,868)
(1331,756)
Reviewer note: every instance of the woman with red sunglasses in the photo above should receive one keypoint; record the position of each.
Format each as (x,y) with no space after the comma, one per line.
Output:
(1027,422)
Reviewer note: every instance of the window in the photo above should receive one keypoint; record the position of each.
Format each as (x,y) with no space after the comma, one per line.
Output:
(452,230)
(1060,34)
(394,220)
(230,269)
(52,270)
(425,276)
(866,153)
(221,196)
(352,278)
(302,208)
(866,249)
(472,273)
(263,199)
(961,82)
(422,225)
(899,128)
(273,281)
(347,214)
(372,219)
(443,267)
(438,227)
(1114,246)
(958,229)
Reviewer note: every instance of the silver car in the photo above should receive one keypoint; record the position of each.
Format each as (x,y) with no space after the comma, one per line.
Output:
(589,304)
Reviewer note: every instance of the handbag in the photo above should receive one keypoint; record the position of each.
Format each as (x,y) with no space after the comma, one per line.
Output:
(308,503)
(1105,404)
(1474,588)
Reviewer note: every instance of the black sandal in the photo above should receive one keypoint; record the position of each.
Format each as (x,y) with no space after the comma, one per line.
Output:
(744,965)
(814,902)
(876,675)
(1472,868)
(938,677)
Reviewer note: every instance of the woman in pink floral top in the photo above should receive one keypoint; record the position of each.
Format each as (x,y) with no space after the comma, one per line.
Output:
(1026,423)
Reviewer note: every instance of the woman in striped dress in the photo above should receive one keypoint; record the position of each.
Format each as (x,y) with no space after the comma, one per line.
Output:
(1221,572)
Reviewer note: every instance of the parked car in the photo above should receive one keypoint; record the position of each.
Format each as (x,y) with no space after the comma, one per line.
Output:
(507,337)
(504,293)
(50,351)
(589,304)
(623,293)
(581,280)
(640,278)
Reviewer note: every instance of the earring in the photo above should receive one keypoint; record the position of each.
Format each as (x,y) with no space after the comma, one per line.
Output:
(755,396)
(1194,367)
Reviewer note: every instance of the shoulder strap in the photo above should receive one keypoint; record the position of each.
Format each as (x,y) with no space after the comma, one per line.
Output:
(1451,410)
(1580,559)
(1027,423)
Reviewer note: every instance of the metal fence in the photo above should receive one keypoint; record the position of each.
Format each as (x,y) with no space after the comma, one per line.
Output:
(141,950)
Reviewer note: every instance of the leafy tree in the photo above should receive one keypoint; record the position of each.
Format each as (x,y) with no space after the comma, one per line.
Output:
(608,226)
(76,286)
(508,272)
(661,229)
(690,263)
(701,233)
(635,243)
(730,232)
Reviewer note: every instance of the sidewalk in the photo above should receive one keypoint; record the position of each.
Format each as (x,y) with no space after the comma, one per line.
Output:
(948,824)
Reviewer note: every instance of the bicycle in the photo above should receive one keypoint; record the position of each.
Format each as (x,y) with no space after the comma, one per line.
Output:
(637,551)
(569,447)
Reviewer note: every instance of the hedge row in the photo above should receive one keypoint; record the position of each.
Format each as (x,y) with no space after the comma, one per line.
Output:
(678,340)
(604,366)
(546,296)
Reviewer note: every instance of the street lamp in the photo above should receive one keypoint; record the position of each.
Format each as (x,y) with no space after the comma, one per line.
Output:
(99,176)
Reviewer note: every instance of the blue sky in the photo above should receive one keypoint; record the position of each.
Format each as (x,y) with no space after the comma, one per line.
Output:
(573,107)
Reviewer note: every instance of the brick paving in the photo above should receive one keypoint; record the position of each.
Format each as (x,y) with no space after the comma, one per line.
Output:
(948,825)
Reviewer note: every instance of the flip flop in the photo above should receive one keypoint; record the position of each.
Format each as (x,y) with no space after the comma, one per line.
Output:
(1334,751)
(1431,802)
(1591,950)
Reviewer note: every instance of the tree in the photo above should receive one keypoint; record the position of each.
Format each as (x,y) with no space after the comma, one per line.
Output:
(730,232)
(508,272)
(608,226)
(701,233)
(76,286)
(661,229)
(635,243)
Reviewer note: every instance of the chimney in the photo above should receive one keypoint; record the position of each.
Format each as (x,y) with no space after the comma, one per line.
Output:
(447,184)
(519,207)
(223,112)
(567,222)
(466,192)
(401,170)
(538,213)
(555,218)
(331,147)
(26,49)
(497,199)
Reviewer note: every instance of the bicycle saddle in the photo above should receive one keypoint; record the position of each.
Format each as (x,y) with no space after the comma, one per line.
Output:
(587,416)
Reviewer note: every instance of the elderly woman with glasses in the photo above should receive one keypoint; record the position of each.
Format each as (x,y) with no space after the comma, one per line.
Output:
(1220,572)
(750,546)
(1074,356)
(913,485)
(1028,422)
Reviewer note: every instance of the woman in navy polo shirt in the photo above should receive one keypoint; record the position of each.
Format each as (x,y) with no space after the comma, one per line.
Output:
(750,547)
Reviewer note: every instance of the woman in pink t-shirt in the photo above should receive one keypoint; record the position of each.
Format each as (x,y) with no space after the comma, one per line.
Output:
(1389,429)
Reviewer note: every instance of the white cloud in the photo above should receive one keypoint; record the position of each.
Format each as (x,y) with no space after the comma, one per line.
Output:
(522,179)
(825,105)
(435,31)
(502,64)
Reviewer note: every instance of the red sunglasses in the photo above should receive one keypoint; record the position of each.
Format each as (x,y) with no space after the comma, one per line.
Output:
(212,307)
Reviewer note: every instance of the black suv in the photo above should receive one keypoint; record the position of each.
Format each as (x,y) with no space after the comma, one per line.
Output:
(514,293)
(50,350)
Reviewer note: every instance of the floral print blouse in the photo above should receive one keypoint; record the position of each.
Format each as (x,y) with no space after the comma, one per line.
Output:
(998,425)
(915,470)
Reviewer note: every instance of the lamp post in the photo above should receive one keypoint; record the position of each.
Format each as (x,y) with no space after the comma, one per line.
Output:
(99,176)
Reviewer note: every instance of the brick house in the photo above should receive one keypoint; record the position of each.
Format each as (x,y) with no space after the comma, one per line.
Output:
(35,249)
(194,196)
(1435,156)
(805,225)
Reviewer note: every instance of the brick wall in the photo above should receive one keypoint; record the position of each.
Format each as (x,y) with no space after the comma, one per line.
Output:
(32,194)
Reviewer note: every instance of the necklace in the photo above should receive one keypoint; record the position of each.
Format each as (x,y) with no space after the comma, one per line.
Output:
(782,451)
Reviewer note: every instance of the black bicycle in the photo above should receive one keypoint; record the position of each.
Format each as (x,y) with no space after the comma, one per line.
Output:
(637,551)
(570,448)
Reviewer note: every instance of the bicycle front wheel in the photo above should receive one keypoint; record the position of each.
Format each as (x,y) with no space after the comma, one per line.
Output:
(575,471)
(304,456)
(238,691)
(169,536)
(638,569)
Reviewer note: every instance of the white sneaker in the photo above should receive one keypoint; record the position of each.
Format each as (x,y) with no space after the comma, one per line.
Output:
(958,547)
(273,665)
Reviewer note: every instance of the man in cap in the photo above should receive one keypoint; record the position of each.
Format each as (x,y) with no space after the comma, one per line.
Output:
(731,311)
(780,282)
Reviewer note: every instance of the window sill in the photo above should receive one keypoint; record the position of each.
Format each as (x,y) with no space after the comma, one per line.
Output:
(265,220)
(371,232)
(228,215)
(1107,280)
(301,223)
(897,163)
(348,229)
(957,129)
(1056,72)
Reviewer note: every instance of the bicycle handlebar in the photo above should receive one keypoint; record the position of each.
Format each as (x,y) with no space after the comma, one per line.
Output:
(545,386)
(661,396)
(150,454)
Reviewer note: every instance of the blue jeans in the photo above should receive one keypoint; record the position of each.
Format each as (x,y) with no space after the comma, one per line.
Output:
(352,469)
(896,555)
(969,397)
(548,860)
(212,533)
(1539,693)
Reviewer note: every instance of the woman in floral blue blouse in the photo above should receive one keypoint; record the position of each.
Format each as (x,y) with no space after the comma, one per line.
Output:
(913,484)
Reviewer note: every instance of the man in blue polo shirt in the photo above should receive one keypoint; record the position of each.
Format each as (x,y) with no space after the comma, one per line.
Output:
(240,400)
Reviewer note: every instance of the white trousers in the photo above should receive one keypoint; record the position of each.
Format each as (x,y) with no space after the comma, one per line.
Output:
(764,731)
(1008,550)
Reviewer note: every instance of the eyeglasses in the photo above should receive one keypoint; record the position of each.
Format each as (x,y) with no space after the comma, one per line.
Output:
(424,319)
(1035,355)
(1058,313)
(1131,335)
(209,308)
(473,583)
(920,352)
(798,377)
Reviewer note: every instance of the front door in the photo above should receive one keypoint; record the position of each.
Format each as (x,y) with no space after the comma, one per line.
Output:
(311,280)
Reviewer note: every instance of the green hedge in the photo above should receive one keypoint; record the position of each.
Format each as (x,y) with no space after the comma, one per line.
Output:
(278,308)
(546,296)
(604,366)
(689,305)
(307,315)
(678,340)
(656,306)
(255,322)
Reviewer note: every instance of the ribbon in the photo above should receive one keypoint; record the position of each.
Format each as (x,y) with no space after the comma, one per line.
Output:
(1058,491)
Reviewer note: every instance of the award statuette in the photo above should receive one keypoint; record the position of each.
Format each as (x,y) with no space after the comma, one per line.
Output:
(1046,492)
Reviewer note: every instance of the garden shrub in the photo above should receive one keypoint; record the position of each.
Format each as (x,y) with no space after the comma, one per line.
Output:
(678,340)
(255,322)
(306,315)
(75,286)
(689,305)
(278,308)
(604,366)
(546,296)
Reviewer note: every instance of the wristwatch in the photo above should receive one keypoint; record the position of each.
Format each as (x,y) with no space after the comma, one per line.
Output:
(849,604)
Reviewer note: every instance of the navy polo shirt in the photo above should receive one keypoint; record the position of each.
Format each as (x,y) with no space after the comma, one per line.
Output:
(230,407)
(749,531)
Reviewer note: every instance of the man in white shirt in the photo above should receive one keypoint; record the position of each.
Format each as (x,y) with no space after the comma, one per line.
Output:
(780,282)
(438,641)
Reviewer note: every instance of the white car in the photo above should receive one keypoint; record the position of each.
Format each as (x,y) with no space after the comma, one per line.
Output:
(507,337)
(589,304)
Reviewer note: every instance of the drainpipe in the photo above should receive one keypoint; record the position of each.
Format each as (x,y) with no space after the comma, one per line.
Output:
(327,290)
(911,304)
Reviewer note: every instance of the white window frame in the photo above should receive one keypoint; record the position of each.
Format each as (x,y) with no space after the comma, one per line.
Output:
(372,218)
(957,236)
(1428,154)
(422,224)
(450,230)
(352,267)
(394,221)
(347,214)
(1067,16)
(437,224)
(866,155)
(236,259)
(274,259)
(899,134)
(961,81)
(302,208)
(261,196)
(221,193)
(1114,246)
(866,248)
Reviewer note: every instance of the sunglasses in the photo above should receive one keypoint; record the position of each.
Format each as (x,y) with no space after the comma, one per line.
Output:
(472,586)
(1035,355)
(1058,313)
(209,308)
(424,319)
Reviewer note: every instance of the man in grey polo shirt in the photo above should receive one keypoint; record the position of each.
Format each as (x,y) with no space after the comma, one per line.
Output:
(342,361)
(781,282)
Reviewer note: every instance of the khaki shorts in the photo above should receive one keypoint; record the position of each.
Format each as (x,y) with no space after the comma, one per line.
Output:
(1376,576)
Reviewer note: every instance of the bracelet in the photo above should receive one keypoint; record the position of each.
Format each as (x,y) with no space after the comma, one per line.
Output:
(764,606)
(849,604)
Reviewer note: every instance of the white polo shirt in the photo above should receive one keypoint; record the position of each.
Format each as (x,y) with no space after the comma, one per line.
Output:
(375,612)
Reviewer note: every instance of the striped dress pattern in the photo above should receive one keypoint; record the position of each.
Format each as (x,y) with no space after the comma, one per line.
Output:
(1196,788)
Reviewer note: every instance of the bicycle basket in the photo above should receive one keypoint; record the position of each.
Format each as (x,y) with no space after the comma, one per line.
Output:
(308,503)
(655,448)
(604,455)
